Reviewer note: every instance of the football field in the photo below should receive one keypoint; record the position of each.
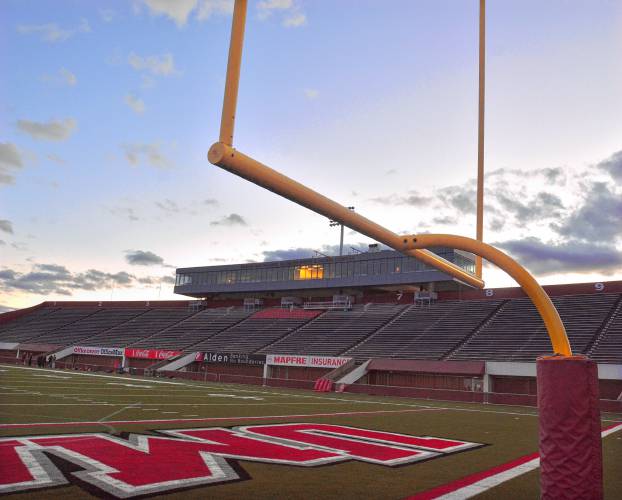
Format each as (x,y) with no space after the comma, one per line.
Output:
(81,435)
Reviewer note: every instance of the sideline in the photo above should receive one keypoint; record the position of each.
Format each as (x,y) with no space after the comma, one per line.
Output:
(479,482)
(209,419)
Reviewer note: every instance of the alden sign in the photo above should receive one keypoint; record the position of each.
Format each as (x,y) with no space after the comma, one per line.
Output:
(234,358)
(308,361)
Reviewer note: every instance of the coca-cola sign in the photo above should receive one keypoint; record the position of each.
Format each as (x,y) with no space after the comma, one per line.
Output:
(131,352)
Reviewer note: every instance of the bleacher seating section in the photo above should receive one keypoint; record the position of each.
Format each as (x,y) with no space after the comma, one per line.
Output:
(518,333)
(193,330)
(505,330)
(426,332)
(141,326)
(251,334)
(335,331)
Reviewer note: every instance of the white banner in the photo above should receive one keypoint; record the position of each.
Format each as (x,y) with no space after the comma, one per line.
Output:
(308,361)
(97,351)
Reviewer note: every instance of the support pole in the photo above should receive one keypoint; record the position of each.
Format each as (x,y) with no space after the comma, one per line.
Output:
(341,242)
(480,134)
(230,100)
(246,167)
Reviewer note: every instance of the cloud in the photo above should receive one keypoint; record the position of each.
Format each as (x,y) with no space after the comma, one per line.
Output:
(137,105)
(53,33)
(50,131)
(56,159)
(143,258)
(613,166)
(10,160)
(107,15)
(461,198)
(307,253)
(6,226)
(211,202)
(125,212)
(168,206)
(207,8)
(295,20)
(163,65)
(230,220)
(178,10)
(412,198)
(543,205)
(598,219)
(45,279)
(291,13)
(64,77)
(548,258)
(311,94)
(149,153)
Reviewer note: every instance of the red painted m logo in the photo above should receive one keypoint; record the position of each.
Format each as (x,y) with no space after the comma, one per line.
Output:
(193,457)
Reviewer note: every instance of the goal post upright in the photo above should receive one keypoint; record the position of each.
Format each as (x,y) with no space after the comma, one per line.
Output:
(564,408)
(479,230)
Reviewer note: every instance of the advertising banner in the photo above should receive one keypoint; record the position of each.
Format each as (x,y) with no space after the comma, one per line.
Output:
(131,352)
(234,358)
(97,351)
(308,361)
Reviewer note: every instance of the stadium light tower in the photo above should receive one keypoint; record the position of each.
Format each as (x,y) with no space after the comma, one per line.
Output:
(567,384)
(334,223)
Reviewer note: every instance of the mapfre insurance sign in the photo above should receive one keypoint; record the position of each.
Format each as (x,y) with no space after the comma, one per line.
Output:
(147,464)
(308,361)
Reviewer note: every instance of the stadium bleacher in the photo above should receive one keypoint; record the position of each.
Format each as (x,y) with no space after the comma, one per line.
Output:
(507,329)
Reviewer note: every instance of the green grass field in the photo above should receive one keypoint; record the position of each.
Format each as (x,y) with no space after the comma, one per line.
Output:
(39,402)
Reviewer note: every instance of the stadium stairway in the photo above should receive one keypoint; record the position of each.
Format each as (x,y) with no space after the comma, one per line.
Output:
(487,320)
(607,345)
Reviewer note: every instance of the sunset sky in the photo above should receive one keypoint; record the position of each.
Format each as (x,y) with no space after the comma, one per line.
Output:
(108,108)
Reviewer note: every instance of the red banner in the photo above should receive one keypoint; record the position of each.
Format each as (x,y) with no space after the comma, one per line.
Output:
(131,352)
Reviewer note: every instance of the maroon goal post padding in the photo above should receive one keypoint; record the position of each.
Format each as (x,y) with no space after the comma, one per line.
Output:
(570,443)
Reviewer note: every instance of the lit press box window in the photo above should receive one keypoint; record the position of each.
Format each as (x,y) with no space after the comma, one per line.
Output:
(312,272)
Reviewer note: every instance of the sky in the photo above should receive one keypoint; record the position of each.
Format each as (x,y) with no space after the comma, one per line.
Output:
(108,108)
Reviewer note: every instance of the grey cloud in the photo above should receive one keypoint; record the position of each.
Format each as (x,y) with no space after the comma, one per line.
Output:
(613,165)
(143,258)
(597,220)
(168,206)
(230,220)
(48,279)
(544,259)
(56,159)
(48,131)
(149,153)
(6,226)
(306,253)
(445,220)
(4,309)
(211,202)
(125,212)
(10,160)
(412,198)
(53,33)
(462,198)
(542,206)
